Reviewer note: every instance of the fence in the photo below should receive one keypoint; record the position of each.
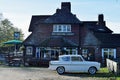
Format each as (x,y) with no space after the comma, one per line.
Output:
(113,66)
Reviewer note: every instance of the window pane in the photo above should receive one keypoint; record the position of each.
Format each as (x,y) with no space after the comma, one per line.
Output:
(111,50)
(111,53)
(85,53)
(64,28)
(68,28)
(29,50)
(66,58)
(105,49)
(76,59)
(54,28)
(73,52)
(108,53)
(105,54)
(59,28)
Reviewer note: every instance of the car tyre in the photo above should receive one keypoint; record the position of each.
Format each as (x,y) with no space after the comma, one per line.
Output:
(92,70)
(60,70)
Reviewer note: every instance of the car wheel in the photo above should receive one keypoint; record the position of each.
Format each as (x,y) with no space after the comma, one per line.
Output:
(92,70)
(60,70)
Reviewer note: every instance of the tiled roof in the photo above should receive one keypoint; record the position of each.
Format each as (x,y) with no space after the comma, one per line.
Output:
(53,41)
(58,41)
(62,17)
(37,18)
(56,18)
(33,39)
(108,40)
(93,26)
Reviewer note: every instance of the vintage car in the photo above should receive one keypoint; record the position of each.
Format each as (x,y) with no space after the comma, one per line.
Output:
(73,63)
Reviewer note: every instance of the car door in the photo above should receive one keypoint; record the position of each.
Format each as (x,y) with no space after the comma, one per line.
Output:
(77,64)
(66,63)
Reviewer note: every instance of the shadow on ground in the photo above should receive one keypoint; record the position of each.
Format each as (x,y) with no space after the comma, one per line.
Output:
(106,75)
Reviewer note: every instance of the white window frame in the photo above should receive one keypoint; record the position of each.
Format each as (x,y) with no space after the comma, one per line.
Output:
(29,50)
(85,52)
(37,52)
(49,52)
(108,51)
(74,51)
(62,28)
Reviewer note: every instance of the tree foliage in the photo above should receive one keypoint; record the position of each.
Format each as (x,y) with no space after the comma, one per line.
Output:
(7,30)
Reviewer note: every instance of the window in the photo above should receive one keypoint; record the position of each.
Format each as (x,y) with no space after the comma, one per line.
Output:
(29,50)
(64,28)
(69,28)
(54,28)
(109,53)
(76,59)
(71,51)
(66,58)
(37,54)
(61,28)
(49,53)
(85,53)
(101,29)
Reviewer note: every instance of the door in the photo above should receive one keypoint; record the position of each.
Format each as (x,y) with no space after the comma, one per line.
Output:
(77,64)
(88,54)
(37,53)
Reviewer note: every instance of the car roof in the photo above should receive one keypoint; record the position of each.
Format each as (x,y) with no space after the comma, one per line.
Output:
(68,55)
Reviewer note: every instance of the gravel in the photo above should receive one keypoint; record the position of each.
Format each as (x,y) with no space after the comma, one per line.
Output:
(30,73)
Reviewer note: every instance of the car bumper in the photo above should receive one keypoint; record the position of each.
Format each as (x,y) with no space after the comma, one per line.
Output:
(52,67)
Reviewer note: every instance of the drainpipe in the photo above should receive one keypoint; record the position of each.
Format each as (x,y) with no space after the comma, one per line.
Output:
(79,46)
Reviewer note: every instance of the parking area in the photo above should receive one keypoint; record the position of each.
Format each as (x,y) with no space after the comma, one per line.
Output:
(30,73)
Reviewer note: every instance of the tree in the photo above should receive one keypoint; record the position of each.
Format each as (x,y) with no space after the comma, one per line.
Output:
(7,30)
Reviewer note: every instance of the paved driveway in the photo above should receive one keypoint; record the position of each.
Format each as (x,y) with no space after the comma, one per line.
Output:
(27,73)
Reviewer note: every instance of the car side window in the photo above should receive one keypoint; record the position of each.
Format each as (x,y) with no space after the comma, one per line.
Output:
(66,58)
(74,58)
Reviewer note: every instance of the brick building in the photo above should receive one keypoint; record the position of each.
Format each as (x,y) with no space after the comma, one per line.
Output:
(63,33)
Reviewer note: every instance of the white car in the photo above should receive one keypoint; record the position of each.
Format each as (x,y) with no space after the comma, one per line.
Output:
(74,63)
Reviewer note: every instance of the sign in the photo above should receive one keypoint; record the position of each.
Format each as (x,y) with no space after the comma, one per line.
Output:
(16,35)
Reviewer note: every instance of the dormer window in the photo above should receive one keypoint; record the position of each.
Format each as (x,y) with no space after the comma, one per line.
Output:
(101,29)
(61,28)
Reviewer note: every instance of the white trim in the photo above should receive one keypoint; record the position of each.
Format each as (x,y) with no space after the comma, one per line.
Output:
(108,51)
(29,50)
(62,28)
(114,53)
(37,54)
(102,53)
(74,51)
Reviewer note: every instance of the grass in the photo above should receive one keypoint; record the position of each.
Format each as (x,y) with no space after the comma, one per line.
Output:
(106,75)
(103,74)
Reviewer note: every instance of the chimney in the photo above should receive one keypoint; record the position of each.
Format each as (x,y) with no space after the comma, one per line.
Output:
(101,20)
(57,10)
(66,6)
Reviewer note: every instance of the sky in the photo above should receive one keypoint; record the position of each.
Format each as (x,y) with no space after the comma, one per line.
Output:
(19,12)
